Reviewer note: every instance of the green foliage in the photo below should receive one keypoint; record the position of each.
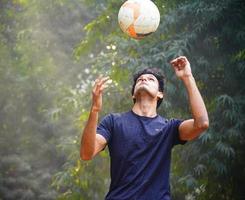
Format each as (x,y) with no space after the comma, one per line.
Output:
(34,91)
(52,51)
(220,71)
(211,35)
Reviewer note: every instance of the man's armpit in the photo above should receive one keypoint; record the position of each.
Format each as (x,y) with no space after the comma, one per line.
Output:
(100,143)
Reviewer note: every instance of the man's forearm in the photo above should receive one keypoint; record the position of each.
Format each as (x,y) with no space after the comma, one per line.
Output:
(198,108)
(89,136)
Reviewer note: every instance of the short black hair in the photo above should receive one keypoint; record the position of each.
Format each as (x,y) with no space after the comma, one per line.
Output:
(155,72)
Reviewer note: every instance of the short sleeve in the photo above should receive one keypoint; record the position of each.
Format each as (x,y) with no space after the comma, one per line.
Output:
(105,127)
(175,123)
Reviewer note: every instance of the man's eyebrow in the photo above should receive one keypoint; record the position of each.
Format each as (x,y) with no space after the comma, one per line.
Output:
(149,75)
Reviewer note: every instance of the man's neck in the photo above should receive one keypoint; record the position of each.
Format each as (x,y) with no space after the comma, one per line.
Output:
(145,108)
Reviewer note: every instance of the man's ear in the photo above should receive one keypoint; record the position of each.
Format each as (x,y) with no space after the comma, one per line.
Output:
(160,95)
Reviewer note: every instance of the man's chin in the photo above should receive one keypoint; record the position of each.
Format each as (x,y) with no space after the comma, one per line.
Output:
(142,90)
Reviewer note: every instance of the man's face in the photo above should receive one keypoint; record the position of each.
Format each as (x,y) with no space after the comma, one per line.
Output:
(147,83)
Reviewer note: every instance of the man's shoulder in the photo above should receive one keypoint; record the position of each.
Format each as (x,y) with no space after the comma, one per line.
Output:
(170,121)
(118,115)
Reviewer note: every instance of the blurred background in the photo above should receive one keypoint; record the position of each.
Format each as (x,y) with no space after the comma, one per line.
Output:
(51,51)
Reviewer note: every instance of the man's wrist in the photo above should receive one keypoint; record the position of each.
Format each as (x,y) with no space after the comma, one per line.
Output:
(188,79)
(95,109)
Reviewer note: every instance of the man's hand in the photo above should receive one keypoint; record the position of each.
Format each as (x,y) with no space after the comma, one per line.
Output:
(191,128)
(99,86)
(181,67)
(91,142)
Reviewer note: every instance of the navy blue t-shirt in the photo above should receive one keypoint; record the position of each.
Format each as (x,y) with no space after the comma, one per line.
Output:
(140,152)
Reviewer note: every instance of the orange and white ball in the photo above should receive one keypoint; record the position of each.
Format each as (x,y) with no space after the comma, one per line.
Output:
(138,18)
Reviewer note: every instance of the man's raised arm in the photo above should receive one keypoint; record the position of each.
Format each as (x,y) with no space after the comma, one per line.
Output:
(192,128)
(92,143)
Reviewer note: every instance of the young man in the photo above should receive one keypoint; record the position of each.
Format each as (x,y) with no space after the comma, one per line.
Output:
(140,141)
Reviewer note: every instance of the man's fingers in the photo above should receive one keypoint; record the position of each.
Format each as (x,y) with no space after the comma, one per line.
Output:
(101,83)
(179,63)
(103,87)
(99,89)
(100,80)
(179,59)
(103,80)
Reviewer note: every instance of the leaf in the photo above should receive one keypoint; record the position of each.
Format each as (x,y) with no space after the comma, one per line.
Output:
(200,169)
(225,149)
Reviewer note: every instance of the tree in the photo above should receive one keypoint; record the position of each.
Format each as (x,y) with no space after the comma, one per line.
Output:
(35,48)
(211,34)
(45,93)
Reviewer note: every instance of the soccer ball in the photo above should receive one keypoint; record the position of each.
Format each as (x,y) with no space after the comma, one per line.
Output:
(138,18)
